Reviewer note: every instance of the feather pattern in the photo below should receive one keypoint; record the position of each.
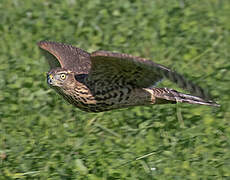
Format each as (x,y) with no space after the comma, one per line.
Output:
(68,56)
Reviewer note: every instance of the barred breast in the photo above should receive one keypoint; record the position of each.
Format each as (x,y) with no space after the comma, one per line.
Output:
(89,100)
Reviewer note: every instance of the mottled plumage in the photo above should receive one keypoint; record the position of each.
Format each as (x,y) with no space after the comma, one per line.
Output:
(103,81)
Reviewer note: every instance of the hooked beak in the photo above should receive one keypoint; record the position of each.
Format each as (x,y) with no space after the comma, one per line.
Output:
(50,79)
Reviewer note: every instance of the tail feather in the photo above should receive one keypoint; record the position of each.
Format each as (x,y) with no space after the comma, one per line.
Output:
(173,95)
(183,83)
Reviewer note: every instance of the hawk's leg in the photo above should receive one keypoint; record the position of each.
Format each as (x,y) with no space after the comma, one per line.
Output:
(165,95)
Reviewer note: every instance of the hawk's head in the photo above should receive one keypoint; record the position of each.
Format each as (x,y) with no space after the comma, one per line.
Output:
(60,77)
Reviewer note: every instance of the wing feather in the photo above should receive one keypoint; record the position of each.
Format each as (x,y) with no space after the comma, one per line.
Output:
(134,70)
(69,57)
(139,72)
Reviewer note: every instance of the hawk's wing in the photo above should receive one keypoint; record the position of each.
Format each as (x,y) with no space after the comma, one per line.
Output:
(69,57)
(113,68)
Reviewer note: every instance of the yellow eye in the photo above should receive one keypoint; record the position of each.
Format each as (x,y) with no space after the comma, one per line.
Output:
(63,76)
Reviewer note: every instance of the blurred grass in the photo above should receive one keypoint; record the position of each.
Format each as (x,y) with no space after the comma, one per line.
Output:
(42,137)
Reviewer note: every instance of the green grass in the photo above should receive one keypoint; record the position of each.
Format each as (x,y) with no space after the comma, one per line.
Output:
(43,137)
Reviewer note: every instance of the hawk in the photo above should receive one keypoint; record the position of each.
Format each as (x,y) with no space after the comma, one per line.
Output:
(103,81)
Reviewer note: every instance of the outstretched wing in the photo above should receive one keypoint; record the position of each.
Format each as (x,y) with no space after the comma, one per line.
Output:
(110,68)
(69,57)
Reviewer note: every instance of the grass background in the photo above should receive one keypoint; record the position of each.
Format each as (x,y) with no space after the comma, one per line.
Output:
(43,137)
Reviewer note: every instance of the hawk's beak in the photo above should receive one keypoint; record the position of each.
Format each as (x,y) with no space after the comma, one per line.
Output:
(50,79)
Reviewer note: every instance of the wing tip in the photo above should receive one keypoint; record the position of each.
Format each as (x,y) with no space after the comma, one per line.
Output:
(41,43)
(51,46)
(45,44)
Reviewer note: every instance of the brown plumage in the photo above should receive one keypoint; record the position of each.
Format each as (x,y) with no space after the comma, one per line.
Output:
(103,81)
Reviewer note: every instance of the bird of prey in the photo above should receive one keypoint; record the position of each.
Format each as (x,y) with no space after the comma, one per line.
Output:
(102,80)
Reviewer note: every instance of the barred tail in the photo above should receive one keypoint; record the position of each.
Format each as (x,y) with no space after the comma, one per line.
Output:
(175,96)
(183,83)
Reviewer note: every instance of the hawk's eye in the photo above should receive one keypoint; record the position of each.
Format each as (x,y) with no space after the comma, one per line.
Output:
(63,76)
